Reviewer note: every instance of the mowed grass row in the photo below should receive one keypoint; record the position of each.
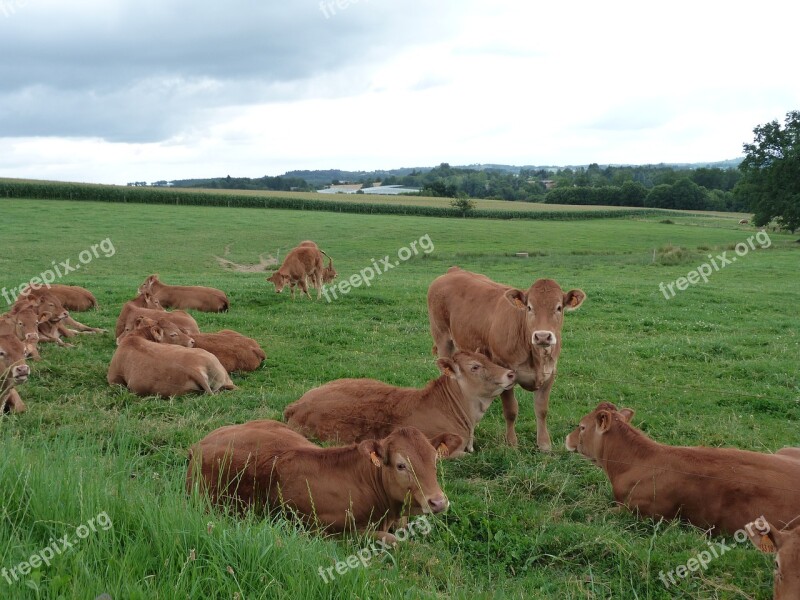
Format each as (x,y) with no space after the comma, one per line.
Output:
(716,365)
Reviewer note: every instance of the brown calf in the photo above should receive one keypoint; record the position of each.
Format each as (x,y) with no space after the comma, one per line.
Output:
(519,330)
(133,309)
(301,264)
(149,368)
(786,547)
(67,326)
(13,371)
(720,489)
(235,351)
(23,322)
(351,410)
(265,465)
(195,297)
(73,297)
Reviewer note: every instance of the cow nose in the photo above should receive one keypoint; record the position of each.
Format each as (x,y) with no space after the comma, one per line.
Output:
(21,371)
(31,337)
(544,338)
(64,315)
(438,503)
(191,342)
(511,375)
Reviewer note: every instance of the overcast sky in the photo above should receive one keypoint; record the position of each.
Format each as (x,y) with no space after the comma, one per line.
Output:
(114,91)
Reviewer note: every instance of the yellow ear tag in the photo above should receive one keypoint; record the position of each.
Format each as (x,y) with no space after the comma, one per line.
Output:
(443,451)
(766,544)
(375,460)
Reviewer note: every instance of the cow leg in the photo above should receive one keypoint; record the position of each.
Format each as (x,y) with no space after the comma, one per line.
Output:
(510,412)
(13,403)
(33,350)
(304,287)
(541,401)
(80,327)
(65,331)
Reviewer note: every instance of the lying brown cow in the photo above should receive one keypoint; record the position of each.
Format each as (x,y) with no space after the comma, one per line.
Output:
(195,297)
(235,351)
(301,264)
(23,322)
(13,371)
(515,329)
(720,489)
(149,368)
(786,546)
(162,331)
(265,465)
(145,305)
(46,301)
(351,410)
(72,297)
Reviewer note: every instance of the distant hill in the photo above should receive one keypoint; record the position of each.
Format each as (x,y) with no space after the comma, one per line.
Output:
(318,178)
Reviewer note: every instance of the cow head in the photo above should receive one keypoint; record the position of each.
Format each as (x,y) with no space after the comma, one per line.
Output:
(477,376)
(279,280)
(545,304)
(48,304)
(175,335)
(148,285)
(24,324)
(13,369)
(590,436)
(329,273)
(786,547)
(407,460)
(147,300)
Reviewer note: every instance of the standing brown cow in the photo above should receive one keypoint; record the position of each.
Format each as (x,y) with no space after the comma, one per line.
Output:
(195,297)
(519,330)
(328,273)
(13,371)
(301,264)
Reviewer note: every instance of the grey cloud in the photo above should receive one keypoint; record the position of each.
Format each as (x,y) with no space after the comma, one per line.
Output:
(143,71)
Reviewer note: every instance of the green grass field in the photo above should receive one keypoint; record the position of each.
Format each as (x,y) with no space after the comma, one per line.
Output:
(715,365)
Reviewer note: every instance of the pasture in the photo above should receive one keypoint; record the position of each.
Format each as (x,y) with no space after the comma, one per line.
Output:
(715,365)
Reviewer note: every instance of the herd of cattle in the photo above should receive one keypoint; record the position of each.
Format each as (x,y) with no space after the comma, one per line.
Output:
(488,337)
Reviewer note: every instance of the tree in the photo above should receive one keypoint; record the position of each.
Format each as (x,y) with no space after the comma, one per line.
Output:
(770,183)
(463,203)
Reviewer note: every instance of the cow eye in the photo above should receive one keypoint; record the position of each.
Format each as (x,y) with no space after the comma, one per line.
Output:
(401,466)
(558,308)
(2,354)
(475,368)
(582,427)
(530,308)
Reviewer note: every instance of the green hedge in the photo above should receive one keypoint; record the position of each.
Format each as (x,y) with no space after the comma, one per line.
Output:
(102,193)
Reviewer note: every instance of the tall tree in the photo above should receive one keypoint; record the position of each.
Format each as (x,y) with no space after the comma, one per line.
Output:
(770,183)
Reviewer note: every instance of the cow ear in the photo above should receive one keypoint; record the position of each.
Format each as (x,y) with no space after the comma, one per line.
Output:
(627,414)
(764,536)
(603,421)
(138,322)
(573,299)
(517,298)
(158,333)
(448,367)
(45,317)
(446,444)
(375,451)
